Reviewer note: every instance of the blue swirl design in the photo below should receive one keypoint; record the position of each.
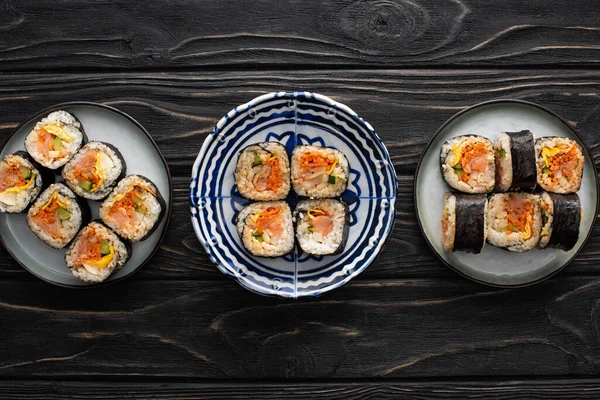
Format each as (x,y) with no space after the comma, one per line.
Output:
(292,119)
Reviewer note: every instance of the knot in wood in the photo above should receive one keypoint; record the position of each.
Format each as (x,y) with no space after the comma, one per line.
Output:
(380,23)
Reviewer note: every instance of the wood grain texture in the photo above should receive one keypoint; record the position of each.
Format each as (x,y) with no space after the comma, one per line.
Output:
(548,389)
(405,106)
(174,34)
(401,329)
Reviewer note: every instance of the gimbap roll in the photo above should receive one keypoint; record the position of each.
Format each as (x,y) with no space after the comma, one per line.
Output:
(515,161)
(266,229)
(56,216)
(514,221)
(559,164)
(319,172)
(561,216)
(20,182)
(321,226)
(94,170)
(263,172)
(463,223)
(55,139)
(96,253)
(468,164)
(133,209)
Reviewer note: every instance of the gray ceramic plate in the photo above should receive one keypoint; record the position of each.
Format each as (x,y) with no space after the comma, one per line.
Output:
(142,157)
(495,266)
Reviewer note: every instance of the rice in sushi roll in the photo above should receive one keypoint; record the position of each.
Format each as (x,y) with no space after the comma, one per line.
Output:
(559,164)
(263,172)
(96,253)
(133,209)
(561,217)
(319,172)
(56,216)
(464,222)
(20,182)
(468,164)
(321,226)
(514,221)
(94,170)
(515,161)
(266,229)
(55,139)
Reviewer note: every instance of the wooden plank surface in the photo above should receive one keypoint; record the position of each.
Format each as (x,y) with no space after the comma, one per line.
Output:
(550,389)
(393,329)
(405,106)
(174,34)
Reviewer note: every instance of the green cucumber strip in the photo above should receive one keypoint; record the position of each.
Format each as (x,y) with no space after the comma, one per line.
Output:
(57,143)
(25,172)
(257,161)
(104,247)
(63,214)
(85,185)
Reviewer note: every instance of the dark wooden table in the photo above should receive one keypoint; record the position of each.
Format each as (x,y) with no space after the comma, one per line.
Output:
(408,326)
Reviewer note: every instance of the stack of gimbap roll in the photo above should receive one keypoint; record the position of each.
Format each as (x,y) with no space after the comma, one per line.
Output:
(321,224)
(96,253)
(266,228)
(20,182)
(319,171)
(516,221)
(133,209)
(56,216)
(92,171)
(55,139)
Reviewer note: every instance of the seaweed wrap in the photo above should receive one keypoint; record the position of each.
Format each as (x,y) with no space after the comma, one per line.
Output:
(266,228)
(559,164)
(322,226)
(468,165)
(515,161)
(561,217)
(514,221)
(463,222)
(94,171)
(55,139)
(96,253)
(263,172)
(57,215)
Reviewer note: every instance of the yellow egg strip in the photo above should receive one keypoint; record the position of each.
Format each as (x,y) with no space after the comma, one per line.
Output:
(98,173)
(527,234)
(104,261)
(311,213)
(58,131)
(18,189)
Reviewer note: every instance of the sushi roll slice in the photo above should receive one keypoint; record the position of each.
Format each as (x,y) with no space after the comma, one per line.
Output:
(559,164)
(266,229)
(515,161)
(133,209)
(20,182)
(464,222)
(468,164)
(514,221)
(96,253)
(319,172)
(263,172)
(93,172)
(55,139)
(322,226)
(561,217)
(56,216)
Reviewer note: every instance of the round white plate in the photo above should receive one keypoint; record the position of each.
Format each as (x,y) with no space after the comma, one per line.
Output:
(293,119)
(496,266)
(142,157)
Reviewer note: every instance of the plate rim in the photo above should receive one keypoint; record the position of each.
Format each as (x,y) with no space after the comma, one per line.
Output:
(213,136)
(167,214)
(426,149)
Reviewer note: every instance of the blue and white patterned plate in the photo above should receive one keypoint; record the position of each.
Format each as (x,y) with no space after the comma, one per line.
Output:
(293,119)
